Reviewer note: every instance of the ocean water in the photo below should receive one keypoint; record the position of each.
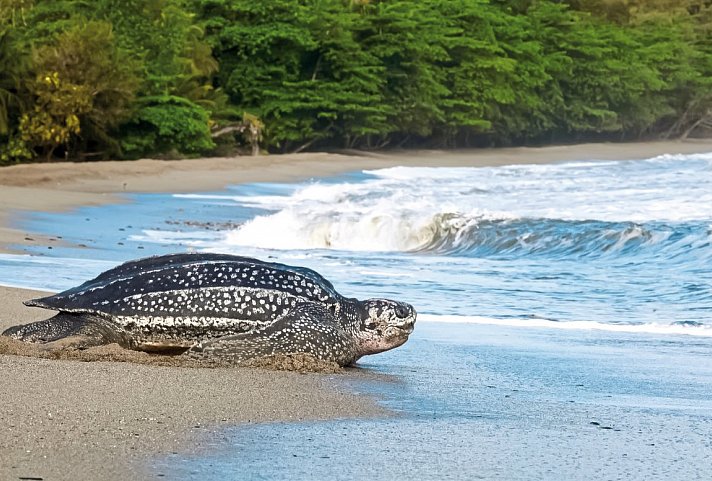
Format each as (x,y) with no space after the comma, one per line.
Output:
(565,313)
(623,246)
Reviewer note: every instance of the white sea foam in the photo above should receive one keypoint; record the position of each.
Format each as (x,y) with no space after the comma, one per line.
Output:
(410,208)
(701,330)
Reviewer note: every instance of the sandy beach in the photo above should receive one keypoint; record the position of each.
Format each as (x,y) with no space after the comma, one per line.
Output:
(70,419)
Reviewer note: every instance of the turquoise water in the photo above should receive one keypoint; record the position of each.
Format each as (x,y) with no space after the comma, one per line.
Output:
(565,313)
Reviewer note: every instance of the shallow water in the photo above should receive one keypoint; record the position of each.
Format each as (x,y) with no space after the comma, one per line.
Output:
(492,402)
(550,298)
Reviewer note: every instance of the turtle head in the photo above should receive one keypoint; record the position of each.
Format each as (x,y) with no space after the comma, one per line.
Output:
(384,325)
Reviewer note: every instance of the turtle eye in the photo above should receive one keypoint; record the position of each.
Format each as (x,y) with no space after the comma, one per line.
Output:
(371,325)
(401,311)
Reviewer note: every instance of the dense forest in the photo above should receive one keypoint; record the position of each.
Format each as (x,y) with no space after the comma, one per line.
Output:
(122,79)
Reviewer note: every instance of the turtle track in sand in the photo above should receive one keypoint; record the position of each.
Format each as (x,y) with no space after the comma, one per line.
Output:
(114,353)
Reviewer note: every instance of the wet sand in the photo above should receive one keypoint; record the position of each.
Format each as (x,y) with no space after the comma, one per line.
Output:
(497,403)
(71,419)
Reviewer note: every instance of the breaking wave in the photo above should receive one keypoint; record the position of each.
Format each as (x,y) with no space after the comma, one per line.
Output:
(480,235)
(581,209)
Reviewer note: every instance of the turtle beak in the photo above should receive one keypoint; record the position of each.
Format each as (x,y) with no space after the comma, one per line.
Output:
(404,323)
(406,326)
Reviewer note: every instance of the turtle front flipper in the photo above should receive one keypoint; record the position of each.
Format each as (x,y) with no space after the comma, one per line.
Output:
(308,328)
(66,330)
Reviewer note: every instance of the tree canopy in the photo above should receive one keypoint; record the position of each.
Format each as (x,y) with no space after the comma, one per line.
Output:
(132,78)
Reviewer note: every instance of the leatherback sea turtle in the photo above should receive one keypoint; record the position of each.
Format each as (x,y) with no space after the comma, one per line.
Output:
(210,305)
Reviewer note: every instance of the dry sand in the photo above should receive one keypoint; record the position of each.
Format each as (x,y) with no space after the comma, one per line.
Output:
(70,419)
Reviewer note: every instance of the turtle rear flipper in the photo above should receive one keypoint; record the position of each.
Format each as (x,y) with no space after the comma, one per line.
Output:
(65,330)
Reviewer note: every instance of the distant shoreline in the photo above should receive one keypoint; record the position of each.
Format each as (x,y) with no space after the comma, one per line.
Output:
(65,185)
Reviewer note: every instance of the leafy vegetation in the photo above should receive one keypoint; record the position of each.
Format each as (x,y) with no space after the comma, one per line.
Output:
(132,78)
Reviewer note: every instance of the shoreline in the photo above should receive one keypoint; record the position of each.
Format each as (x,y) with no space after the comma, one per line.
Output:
(68,419)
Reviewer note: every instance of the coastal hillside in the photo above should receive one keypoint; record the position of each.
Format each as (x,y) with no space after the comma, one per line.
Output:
(124,79)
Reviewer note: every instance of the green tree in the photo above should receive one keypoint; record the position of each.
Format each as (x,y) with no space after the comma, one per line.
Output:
(13,12)
(531,103)
(13,68)
(177,64)
(168,40)
(409,40)
(166,124)
(299,67)
(83,87)
(145,77)
(54,119)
